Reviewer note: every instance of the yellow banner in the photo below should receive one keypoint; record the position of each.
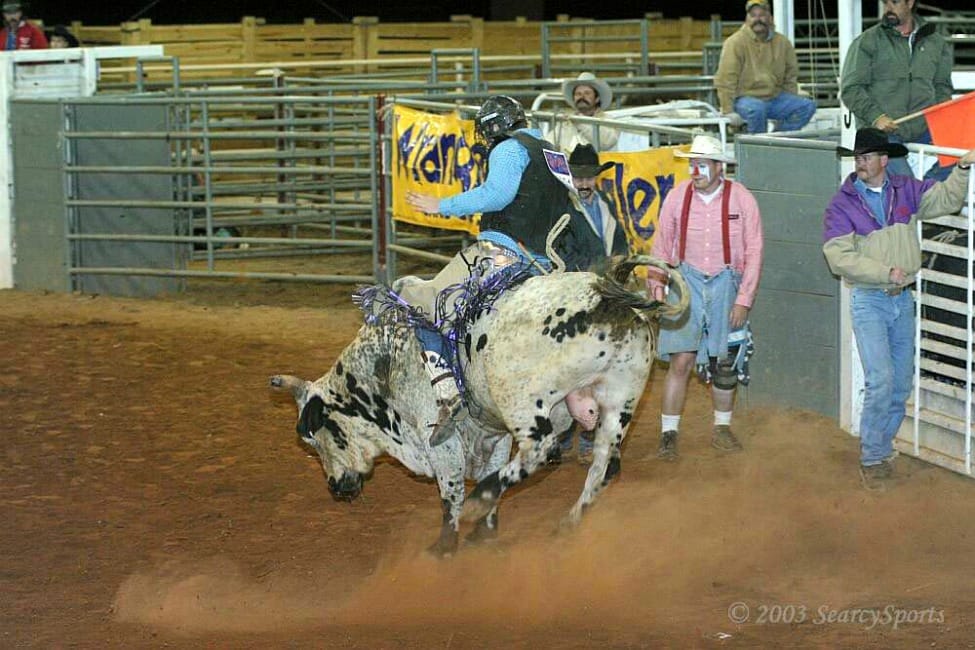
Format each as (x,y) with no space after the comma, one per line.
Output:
(437,155)
(637,186)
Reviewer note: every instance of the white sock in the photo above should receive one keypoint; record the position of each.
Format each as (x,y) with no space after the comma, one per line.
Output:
(722,417)
(669,422)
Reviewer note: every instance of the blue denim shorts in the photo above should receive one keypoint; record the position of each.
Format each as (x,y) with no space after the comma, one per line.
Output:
(705,326)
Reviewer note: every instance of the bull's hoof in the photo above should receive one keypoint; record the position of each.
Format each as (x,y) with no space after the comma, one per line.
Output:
(554,456)
(565,528)
(481,534)
(570,522)
(446,546)
(476,508)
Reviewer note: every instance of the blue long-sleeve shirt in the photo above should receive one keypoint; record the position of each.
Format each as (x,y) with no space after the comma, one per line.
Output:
(506,164)
(874,200)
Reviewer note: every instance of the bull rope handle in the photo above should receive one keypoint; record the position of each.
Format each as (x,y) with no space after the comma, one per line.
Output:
(557,262)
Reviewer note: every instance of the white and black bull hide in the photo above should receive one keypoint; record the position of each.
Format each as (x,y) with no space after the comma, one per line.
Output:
(555,334)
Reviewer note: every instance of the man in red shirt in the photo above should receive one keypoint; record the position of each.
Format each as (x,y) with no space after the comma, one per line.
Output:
(18,33)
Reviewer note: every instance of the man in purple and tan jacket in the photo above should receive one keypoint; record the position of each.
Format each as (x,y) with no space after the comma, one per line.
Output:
(871,241)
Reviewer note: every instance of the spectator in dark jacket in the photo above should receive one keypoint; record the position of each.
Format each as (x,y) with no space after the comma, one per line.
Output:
(594,233)
(593,236)
(894,69)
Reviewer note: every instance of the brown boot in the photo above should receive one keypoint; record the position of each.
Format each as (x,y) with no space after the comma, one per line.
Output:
(724,440)
(448,399)
(446,424)
(874,477)
(668,446)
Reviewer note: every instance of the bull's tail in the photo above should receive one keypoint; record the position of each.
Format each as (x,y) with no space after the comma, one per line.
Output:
(613,286)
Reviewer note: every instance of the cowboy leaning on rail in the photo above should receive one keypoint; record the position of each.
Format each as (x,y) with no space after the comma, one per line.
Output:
(871,241)
(520,201)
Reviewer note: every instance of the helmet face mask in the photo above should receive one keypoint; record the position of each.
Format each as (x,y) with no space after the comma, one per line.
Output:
(498,117)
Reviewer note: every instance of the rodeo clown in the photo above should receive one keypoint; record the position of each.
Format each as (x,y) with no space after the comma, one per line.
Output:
(521,200)
(712,228)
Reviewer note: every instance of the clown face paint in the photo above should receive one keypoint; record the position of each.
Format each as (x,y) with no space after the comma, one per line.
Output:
(700,169)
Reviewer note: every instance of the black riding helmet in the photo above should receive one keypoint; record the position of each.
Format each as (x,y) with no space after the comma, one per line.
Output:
(498,117)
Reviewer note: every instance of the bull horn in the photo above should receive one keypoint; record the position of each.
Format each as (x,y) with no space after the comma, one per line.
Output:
(296,385)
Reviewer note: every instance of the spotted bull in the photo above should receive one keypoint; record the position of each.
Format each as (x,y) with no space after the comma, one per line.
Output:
(558,335)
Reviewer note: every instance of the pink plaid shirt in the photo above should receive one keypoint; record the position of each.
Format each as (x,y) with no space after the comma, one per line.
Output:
(704,250)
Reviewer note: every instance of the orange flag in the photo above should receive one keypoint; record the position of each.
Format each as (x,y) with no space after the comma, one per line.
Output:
(952,124)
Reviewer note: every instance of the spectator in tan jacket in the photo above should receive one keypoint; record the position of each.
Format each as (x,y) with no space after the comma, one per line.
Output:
(756,79)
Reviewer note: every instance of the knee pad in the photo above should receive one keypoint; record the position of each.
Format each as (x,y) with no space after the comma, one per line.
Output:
(724,375)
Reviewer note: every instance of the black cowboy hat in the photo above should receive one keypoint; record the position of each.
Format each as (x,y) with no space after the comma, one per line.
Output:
(584,162)
(63,32)
(871,140)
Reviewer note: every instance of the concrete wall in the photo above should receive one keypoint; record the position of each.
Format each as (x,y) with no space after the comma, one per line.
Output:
(40,230)
(795,318)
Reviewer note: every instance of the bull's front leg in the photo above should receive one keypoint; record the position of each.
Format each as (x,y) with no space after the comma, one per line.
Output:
(485,529)
(446,544)
(449,464)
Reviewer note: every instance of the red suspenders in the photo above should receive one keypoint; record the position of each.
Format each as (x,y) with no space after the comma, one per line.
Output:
(685,213)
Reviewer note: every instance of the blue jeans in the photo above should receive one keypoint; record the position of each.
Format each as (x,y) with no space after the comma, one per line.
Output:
(585,439)
(900,166)
(790,112)
(884,328)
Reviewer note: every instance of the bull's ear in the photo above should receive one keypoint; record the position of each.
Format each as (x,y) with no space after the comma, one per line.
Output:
(296,385)
(312,417)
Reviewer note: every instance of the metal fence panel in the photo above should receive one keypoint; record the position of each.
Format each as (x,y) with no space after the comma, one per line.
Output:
(122,219)
(153,190)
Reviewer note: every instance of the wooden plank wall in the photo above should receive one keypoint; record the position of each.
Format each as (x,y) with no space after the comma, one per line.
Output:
(254,41)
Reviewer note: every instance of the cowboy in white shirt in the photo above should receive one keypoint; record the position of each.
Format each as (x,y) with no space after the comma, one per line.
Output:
(589,96)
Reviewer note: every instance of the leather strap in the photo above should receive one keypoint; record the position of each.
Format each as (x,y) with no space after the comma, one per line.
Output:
(725,235)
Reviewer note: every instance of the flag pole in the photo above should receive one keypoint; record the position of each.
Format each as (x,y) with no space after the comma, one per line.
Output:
(930,108)
(912,115)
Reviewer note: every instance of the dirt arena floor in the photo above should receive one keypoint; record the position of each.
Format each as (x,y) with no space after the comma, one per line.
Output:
(153,493)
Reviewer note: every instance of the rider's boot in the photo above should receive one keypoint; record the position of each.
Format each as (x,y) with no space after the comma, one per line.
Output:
(448,398)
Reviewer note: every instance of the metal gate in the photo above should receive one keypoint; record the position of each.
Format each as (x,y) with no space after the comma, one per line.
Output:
(215,178)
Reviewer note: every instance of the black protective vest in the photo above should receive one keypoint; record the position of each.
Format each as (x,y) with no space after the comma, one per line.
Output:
(540,201)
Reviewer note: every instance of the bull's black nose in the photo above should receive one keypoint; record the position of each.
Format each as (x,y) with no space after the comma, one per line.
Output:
(346,488)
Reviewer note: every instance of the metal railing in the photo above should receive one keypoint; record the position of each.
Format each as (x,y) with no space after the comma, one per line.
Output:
(944,335)
(252,177)
(581,36)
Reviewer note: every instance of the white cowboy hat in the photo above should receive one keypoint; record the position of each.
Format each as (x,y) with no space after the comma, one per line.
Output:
(706,146)
(602,89)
